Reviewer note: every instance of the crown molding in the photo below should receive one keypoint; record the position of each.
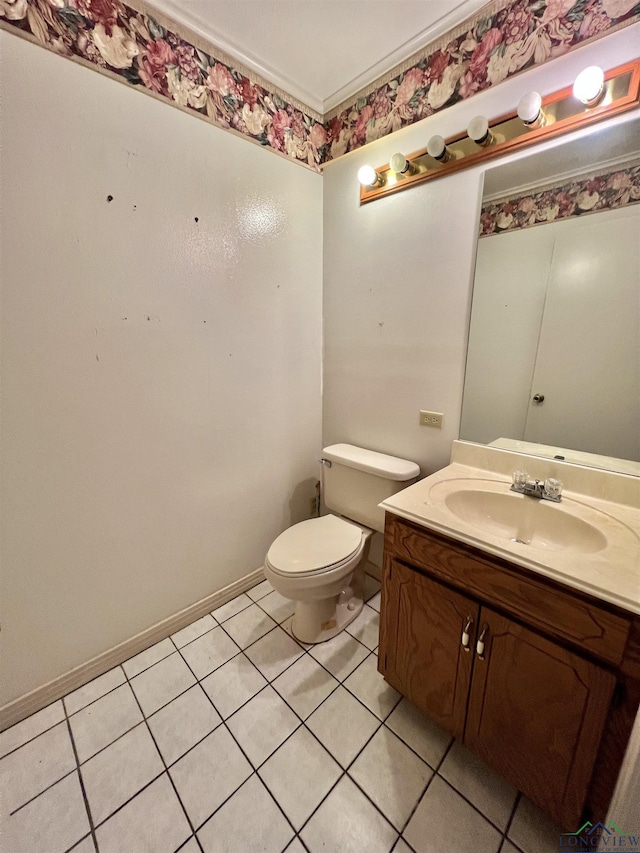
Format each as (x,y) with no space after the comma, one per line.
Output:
(386,66)
(183,16)
(175,11)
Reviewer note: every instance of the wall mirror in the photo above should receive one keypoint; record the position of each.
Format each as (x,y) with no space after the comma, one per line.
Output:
(553,361)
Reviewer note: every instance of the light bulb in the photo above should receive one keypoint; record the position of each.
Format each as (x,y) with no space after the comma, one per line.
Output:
(589,85)
(399,164)
(367,176)
(478,130)
(530,110)
(436,148)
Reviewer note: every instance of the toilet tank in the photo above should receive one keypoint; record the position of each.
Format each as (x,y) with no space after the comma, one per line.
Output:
(355,480)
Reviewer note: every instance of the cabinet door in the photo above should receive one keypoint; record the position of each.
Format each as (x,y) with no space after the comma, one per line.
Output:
(421,653)
(536,714)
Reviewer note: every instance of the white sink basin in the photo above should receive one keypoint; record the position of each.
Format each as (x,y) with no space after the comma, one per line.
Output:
(525,520)
(589,541)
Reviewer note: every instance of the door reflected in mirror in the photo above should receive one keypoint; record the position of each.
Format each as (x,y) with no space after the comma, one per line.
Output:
(553,362)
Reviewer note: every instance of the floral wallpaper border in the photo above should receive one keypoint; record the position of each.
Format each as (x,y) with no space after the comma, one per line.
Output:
(601,190)
(143,49)
(501,40)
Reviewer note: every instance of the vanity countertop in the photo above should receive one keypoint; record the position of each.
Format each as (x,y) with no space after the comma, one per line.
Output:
(599,509)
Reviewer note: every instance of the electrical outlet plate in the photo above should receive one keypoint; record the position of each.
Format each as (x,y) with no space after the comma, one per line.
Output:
(431,419)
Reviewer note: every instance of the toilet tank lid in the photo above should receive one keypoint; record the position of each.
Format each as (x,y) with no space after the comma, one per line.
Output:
(380,464)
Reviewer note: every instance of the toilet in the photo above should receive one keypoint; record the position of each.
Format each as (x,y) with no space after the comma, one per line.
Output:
(319,563)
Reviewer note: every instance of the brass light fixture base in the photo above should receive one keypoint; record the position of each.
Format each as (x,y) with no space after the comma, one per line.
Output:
(562,113)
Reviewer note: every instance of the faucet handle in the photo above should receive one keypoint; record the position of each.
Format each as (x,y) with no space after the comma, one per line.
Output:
(553,488)
(519,479)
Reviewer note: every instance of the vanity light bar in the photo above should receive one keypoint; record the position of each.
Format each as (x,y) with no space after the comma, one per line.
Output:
(537,119)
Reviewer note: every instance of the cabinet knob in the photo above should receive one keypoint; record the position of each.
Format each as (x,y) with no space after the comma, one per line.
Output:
(465,634)
(480,643)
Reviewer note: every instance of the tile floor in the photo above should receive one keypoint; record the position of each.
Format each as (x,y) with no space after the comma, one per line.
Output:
(232,737)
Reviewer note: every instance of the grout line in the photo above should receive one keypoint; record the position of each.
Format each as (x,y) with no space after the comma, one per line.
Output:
(78,843)
(242,609)
(164,763)
(511,819)
(43,791)
(302,724)
(31,739)
(284,814)
(92,828)
(428,785)
(254,770)
(408,745)
(473,805)
(129,799)
(302,844)
(98,698)
(184,843)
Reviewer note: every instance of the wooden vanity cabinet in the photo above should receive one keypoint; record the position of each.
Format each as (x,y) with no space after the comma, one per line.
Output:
(542,694)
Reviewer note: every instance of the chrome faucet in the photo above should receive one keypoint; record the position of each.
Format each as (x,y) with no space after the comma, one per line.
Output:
(549,490)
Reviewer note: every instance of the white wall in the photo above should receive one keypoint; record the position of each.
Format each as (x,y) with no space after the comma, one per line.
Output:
(160,377)
(398,274)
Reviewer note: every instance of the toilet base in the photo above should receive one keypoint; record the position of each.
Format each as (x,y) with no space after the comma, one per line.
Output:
(317,621)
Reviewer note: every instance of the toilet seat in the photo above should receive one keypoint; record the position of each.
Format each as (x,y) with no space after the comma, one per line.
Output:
(315,546)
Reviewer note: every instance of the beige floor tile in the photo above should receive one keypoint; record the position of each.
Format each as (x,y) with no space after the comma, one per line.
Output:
(273,653)
(249,625)
(532,831)
(341,655)
(487,791)
(193,631)
(33,726)
(152,821)
(421,733)
(208,652)
(226,611)
(369,687)
(94,689)
(299,774)
(121,770)
(208,774)
(392,775)
(182,723)
(304,685)
(148,657)
(35,766)
(343,725)
(366,627)
(445,821)
(260,590)
(277,606)
(51,823)
(249,821)
(262,725)
(100,723)
(233,684)
(347,822)
(162,682)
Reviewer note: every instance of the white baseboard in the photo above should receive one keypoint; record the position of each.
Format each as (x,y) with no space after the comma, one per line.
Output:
(39,698)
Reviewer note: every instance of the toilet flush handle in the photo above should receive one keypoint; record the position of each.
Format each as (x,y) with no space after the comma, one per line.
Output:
(326,462)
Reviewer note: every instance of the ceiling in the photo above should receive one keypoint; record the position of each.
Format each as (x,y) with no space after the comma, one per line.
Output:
(320,51)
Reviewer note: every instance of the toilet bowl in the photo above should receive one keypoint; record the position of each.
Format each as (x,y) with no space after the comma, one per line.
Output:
(319,563)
